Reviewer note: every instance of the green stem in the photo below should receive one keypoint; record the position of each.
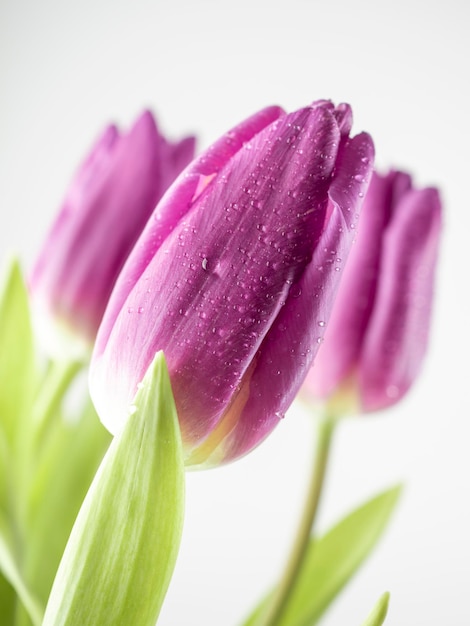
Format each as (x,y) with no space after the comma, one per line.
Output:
(285,587)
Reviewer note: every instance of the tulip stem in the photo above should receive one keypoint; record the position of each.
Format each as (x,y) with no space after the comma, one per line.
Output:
(285,587)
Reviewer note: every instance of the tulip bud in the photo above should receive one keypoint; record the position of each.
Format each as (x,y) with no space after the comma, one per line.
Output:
(106,207)
(234,277)
(378,332)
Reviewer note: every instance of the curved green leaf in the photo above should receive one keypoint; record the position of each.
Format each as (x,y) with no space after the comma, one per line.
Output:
(7,602)
(64,470)
(12,574)
(16,351)
(332,560)
(379,612)
(121,553)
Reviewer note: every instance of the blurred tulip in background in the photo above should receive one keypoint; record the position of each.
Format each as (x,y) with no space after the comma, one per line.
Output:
(106,207)
(378,332)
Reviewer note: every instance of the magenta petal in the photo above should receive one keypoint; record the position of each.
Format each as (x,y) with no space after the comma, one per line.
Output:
(344,336)
(175,204)
(180,155)
(45,274)
(343,114)
(397,336)
(377,335)
(105,210)
(289,349)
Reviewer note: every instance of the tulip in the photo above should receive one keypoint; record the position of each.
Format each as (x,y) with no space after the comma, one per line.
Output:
(234,277)
(378,331)
(107,205)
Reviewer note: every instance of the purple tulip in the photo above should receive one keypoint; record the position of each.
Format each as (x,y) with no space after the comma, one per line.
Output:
(107,205)
(233,277)
(378,332)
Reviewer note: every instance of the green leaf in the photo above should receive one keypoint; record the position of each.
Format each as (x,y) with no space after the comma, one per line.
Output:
(332,560)
(64,470)
(60,464)
(11,572)
(17,386)
(16,352)
(122,550)
(379,612)
(7,602)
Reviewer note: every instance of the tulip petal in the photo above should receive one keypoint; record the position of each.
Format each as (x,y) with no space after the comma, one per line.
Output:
(292,343)
(344,336)
(107,206)
(45,275)
(397,335)
(343,114)
(136,179)
(177,201)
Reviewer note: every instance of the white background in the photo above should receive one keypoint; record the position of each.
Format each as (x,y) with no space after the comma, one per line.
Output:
(67,68)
